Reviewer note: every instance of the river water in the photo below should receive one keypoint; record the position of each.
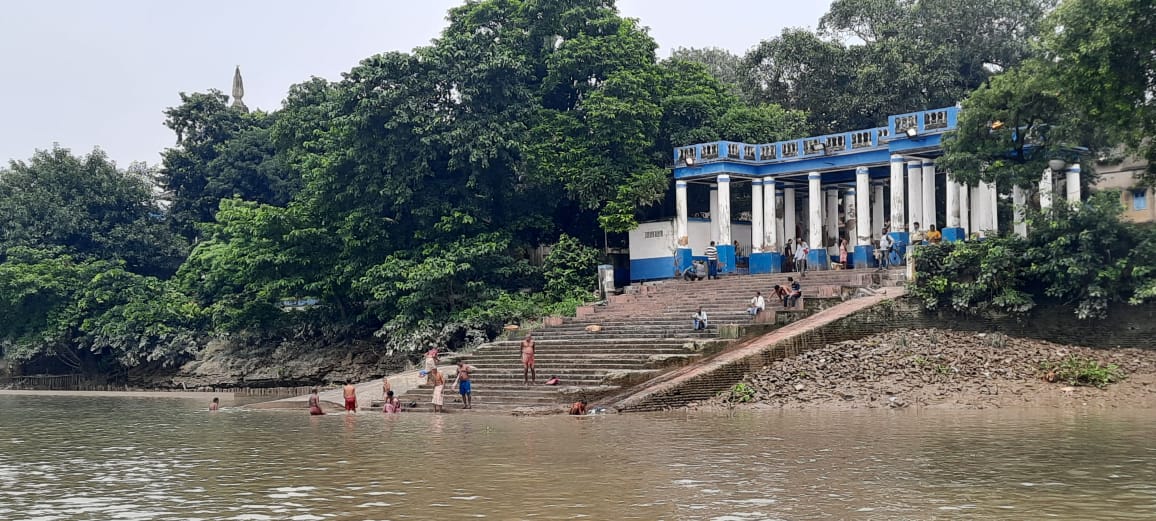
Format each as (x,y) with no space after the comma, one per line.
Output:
(105,458)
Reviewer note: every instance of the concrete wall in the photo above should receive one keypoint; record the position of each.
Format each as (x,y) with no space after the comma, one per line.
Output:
(652,245)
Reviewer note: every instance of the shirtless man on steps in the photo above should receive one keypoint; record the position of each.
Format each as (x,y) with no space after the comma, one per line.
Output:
(528,360)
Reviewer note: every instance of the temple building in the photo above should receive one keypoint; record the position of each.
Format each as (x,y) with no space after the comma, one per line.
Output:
(848,185)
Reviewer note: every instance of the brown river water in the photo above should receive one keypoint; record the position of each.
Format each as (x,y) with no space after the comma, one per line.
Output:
(109,458)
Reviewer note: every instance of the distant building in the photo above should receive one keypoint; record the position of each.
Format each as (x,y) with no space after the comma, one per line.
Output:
(1137,200)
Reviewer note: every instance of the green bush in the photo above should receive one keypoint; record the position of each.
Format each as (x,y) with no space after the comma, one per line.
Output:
(1086,257)
(570,269)
(1076,370)
(742,392)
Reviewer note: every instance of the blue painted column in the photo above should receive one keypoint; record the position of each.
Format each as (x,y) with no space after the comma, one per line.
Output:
(818,259)
(864,256)
(726,248)
(953,232)
(898,215)
(682,253)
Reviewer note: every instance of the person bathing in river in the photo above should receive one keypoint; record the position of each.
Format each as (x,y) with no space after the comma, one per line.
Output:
(315,404)
(431,361)
(216,405)
(350,393)
(462,383)
(392,404)
(578,409)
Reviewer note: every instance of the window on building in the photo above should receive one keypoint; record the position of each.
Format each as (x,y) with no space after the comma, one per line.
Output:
(1139,200)
(657,234)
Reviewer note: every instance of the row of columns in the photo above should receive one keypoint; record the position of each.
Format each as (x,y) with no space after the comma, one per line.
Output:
(912,197)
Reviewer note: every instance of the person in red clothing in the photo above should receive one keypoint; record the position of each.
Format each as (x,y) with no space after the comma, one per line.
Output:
(315,404)
(578,409)
(350,393)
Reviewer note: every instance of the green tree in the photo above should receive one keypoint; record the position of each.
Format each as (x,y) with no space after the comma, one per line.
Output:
(721,63)
(88,207)
(221,152)
(1101,52)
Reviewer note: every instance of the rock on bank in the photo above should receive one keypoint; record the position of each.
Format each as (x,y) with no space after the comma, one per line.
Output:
(938,368)
(286,362)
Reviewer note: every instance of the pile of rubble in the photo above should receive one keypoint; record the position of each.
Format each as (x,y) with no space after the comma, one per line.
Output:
(929,368)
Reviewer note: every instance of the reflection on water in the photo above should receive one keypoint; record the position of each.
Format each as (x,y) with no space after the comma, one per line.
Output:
(65,458)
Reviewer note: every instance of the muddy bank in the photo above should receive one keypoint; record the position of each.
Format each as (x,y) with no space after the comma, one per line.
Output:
(943,369)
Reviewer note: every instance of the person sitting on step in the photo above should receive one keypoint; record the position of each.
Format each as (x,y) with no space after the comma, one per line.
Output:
(700,320)
(795,291)
(757,304)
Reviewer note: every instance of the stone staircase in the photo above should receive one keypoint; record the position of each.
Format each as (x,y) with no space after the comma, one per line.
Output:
(642,334)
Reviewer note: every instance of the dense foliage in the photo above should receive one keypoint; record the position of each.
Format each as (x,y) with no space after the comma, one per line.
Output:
(410,198)
(1085,257)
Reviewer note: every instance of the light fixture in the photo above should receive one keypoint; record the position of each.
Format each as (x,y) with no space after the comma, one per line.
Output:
(689,160)
(1057,165)
(911,132)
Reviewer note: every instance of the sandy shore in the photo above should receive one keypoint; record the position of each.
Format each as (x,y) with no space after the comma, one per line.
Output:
(940,369)
(196,395)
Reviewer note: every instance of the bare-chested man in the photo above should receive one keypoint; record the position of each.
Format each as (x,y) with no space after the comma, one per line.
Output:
(463,383)
(439,382)
(350,393)
(385,387)
(528,375)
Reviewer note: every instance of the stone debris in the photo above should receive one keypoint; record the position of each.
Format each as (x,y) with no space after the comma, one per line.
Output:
(919,368)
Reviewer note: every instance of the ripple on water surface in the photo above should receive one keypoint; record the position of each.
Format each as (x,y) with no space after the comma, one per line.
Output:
(72,458)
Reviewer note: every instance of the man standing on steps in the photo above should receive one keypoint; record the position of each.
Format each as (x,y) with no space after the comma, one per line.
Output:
(801,251)
(528,375)
(463,383)
(439,382)
(711,261)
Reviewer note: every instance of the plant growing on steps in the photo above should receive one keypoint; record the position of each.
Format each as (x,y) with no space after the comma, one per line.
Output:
(742,392)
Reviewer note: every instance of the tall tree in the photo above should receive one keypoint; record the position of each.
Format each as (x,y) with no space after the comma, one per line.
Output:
(88,207)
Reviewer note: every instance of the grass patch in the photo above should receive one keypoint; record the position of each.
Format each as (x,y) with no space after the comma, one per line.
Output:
(1077,370)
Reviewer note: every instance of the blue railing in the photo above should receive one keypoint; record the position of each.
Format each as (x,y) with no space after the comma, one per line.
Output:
(927,122)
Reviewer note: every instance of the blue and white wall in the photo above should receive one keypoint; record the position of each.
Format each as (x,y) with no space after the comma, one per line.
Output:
(652,246)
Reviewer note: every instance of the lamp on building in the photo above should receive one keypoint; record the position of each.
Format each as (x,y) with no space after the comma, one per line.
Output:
(689,160)
(1057,165)
(911,132)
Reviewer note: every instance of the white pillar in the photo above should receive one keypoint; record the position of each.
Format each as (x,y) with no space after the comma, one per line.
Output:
(1073,184)
(915,195)
(952,202)
(681,229)
(978,213)
(1019,200)
(993,208)
(815,211)
(714,213)
(877,212)
(780,227)
(789,214)
(724,209)
(831,221)
(770,217)
(898,217)
(862,207)
(929,217)
(850,218)
(965,210)
(1047,186)
(757,215)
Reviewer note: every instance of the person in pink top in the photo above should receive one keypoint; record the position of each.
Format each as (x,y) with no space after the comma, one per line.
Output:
(392,404)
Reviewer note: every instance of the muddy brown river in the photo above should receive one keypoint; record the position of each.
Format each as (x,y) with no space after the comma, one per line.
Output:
(110,458)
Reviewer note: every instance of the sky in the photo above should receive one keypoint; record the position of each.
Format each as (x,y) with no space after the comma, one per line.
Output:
(83,74)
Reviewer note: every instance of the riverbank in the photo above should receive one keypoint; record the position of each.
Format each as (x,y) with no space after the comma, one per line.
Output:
(198,395)
(944,369)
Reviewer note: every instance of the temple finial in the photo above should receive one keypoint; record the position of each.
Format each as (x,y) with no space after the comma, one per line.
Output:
(238,90)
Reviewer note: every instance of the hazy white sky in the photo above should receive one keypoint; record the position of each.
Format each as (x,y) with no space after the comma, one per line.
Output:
(84,73)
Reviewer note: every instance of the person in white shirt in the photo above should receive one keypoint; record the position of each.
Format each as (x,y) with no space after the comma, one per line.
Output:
(757,304)
(885,244)
(801,251)
(700,319)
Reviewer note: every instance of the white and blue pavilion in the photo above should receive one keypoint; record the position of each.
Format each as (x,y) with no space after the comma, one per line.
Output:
(821,189)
